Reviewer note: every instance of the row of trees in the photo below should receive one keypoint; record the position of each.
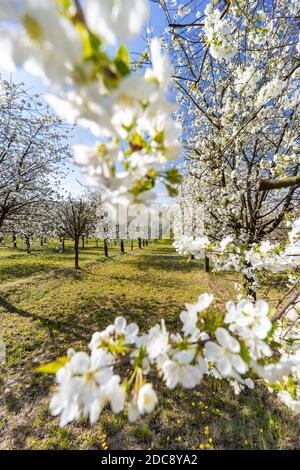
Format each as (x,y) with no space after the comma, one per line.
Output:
(75,218)
(34,157)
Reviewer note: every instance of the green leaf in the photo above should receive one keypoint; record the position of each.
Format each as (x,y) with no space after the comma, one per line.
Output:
(63,6)
(122,61)
(53,367)
(173,176)
(159,137)
(32,27)
(145,184)
(292,387)
(244,353)
(172,192)
(123,55)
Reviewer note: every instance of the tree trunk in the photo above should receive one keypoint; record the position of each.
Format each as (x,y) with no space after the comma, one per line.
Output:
(207,264)
(63,243)
(83,241)
(146,242)
(14,239)
(28,245)
(122,247)
(143,242)
(105,249)
(42,242)
(140,243)
(131,245)
(76,251)
(248,285)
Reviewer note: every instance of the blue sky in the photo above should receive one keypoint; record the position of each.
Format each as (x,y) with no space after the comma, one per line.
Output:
(75,179)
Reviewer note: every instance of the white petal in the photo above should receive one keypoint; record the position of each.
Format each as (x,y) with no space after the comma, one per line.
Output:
(100,358)
(191,376)
(80,362)
(120,324)
(103,375)
(203,366)
(249,383)
(184,357)
(224,366)
(213,351)
(131,332)
(170,370)
(8,10)
(262,307)
(70,413)
(238,363)
(231,312)
(133,412)
(227,341)
(94,411)
(204,301)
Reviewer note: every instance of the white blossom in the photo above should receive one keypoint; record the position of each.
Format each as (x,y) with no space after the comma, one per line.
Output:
(79,392)
(116,19)
(179,370)
(147,399)
(225,354)
(189,317)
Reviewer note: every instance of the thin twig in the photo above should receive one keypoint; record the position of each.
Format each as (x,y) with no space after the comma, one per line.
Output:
(293,300)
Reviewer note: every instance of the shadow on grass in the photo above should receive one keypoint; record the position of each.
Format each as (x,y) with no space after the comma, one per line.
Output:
(21,270)
(234,422)
(21,265)
(255,419)
(166,262)
(73,330)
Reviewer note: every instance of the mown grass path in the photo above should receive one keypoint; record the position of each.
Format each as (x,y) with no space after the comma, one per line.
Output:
(47,307)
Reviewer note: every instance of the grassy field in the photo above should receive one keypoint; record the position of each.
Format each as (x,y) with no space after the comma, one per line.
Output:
(46,307)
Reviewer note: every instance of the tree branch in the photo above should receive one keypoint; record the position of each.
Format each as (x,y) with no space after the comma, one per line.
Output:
(263,184)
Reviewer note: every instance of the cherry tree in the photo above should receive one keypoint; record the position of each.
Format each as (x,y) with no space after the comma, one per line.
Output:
(33,149)
(76,217)
(237,71)
(31,223)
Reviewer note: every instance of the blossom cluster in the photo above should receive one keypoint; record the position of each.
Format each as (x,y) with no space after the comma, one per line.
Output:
(218,34)
(68,45)
(239,114)
(227,254)
(238,349)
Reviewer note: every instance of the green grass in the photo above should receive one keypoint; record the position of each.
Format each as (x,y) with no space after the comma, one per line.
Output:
(46,307)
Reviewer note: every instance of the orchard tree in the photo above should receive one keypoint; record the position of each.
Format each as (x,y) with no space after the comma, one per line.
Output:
(76,217)
(34,221)
(33,150)
(237,69)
